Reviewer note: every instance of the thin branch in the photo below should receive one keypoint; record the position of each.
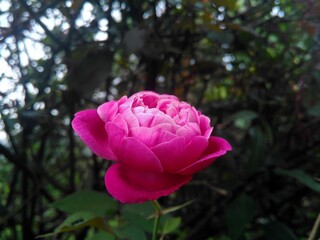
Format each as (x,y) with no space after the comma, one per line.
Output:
(37,19)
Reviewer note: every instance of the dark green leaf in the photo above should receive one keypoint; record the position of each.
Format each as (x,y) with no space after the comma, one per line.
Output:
(91,201)
(239,215)
(302,177)
(278,231)
(258,149)
(102,236)
(138,214)
(131,232)
(77,221)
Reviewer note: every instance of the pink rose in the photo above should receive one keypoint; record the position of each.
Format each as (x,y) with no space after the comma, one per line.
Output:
(156,142)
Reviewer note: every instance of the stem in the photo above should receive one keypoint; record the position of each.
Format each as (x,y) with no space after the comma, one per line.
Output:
(157,219)
(315,228)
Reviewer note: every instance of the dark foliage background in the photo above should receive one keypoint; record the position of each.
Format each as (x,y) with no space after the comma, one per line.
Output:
(252,66)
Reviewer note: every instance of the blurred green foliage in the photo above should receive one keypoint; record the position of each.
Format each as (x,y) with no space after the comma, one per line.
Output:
(252,66)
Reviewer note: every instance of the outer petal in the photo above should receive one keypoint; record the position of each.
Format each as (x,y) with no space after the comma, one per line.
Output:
(176,155)
(138,156)
(217,147)
(90,128)
(130,186)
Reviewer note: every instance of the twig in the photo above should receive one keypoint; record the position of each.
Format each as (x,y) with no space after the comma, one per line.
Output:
(315,228)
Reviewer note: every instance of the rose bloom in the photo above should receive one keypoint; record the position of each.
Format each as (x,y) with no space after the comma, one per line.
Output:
(156,142)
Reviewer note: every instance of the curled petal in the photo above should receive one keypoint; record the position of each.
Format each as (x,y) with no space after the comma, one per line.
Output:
(217,147)
(131,186)
(90,128)
(108,110)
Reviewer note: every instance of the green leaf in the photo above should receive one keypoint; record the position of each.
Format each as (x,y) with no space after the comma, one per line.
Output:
(314,110)
(239,214)
(77,221)
(278,231)
(98,203)
(258,149)
(302,177)
(138,215)
(131,232)
(102,236)
(171,224)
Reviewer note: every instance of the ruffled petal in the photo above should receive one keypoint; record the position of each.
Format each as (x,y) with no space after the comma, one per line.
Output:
(131,186)
(150,136)
(168,127)
(130,118)
(189,131)
(145,119)
(217,147)
(138,156)
(108,110)
(91,130)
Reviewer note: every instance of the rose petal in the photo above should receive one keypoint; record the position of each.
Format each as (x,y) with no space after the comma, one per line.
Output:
(150,136)
(150,100)
(189,131)
(160,118)
(131,186)
(108,110)
(144,119)
(129,117)
(205,127)
(193,115)
(119,121)
(167,127)
(137,155)
(90,128)
(217,147)
(176,155)
(116,135)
